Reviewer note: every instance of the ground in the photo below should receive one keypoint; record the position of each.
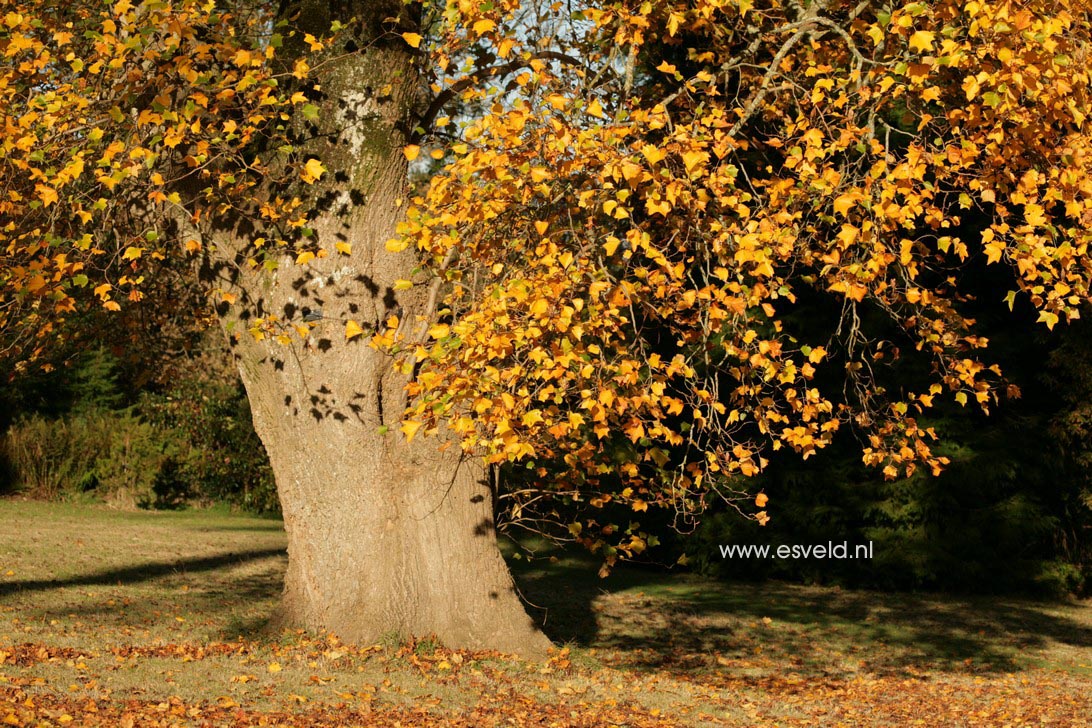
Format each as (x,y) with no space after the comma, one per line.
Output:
(143,619)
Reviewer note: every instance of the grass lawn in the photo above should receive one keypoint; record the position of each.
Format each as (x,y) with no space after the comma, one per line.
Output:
(140,619)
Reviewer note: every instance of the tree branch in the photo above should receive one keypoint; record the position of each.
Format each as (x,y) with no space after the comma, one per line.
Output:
(447,95)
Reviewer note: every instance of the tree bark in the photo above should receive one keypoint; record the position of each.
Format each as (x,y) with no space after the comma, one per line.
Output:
(385,537)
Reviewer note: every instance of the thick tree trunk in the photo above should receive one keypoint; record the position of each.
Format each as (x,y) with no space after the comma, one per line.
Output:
(385,537)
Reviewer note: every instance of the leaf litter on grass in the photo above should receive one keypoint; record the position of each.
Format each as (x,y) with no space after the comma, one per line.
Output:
(111,619)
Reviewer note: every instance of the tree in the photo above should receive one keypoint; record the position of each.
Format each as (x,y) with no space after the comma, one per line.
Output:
(158,124)
(606,280)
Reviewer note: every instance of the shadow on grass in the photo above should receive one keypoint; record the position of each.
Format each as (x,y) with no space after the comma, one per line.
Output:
(658,620)
(137,573)
(271,527)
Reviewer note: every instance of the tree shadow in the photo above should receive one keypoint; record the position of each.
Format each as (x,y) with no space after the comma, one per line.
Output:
(654,619)
(131,575)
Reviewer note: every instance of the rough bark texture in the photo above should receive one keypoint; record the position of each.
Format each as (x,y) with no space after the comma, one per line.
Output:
(385,537)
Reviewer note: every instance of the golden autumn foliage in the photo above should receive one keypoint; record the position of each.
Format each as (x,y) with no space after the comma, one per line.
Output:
(123,125)
(617,245)
(625,236)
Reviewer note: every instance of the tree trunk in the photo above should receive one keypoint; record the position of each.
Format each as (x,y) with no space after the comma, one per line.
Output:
(385,537)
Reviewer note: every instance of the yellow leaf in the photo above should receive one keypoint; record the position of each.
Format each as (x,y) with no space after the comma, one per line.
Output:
(1034,214)
(343,247)
(352,329)
(693,159)
(411,151)
(305,257)
(410,428)
(652,153)
(1049,318)
(48,195)
(922,40)
(994,250)
(132,253)
(413,39)
(673,23)
(484,26)
(274,667)
(844,203)
(557,101)
(596,109)
(402,284)
(666,68)
(396,245)
(761,500)
(541,226)
(312,171)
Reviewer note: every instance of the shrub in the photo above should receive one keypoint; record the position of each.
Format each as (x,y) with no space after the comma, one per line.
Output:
(47,458)
(115,454)
(220,457)
(130,472)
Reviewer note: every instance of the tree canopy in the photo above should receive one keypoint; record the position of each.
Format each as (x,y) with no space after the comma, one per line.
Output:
(658,241)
